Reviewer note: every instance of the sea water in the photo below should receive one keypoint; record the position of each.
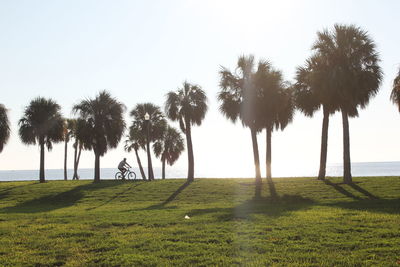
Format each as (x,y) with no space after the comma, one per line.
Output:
(357,169)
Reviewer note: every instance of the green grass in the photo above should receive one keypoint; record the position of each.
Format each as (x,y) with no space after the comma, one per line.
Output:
(298,222)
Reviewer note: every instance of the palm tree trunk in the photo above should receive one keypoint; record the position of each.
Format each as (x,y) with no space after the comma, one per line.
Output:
(140,165)
(188,131)
(41,172)
(324,145)
(97,168)
(65,158)
(346,149)
(256,163)
(149,163)
(75,176)
(77,163)
(163,168)
(269,152)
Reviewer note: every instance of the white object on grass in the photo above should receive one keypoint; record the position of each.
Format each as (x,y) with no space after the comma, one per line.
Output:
(187,217)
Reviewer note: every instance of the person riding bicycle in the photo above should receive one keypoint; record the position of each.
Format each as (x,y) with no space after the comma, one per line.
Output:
(123,166)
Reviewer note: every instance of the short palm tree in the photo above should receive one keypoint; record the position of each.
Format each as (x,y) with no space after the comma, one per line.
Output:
(274,102)
(43,124)
(67,132)
(354,73)
(395,95)
(4,127)
(169,148)
(153,128)
(136,140)
(238,98)
(102,126)
(78,134)
(311,92)
(188,106)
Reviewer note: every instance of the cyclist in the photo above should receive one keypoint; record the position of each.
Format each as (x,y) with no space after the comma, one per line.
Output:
(123,167)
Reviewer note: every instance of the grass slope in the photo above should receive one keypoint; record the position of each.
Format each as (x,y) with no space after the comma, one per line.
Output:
(299,221)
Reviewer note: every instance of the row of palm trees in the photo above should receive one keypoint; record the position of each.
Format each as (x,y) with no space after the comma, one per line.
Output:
(341,75)
(99,126)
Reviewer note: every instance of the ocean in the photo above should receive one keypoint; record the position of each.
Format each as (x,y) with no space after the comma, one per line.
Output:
(358,169)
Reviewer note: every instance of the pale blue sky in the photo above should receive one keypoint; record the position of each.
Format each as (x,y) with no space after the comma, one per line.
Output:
(139,50)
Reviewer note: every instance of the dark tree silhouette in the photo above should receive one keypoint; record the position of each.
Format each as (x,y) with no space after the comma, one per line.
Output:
(238,98)
(274,102)
(136,140)
(78,135)
(4,127)
(354,72)
(169,148)
(312,91)
(42,124)
(395,95)
(102,125)
(67,133)
(188,105)
(153,129)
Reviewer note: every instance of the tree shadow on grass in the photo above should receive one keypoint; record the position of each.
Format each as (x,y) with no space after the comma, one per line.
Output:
(343,191)
(169,199)
(273,206)
(388,206)
(115,197)
(57,201)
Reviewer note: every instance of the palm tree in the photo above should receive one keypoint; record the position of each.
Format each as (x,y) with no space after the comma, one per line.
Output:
(169,148)
(238,97)
(153,129)
(67,132)
(395,95)
(311,91)
(135,141)
(274,102)
(41,124)
(354,73)
(4,127)
(78,134)
(102,126)
(188,105)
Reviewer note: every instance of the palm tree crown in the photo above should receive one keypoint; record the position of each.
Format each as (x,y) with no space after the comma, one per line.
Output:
(4,127)
(188,105)
(170,147)
(352,61)
(104,124)
(42,123)
(395,95)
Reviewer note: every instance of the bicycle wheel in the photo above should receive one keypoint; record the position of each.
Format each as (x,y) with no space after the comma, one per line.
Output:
(132,176)
(118,175)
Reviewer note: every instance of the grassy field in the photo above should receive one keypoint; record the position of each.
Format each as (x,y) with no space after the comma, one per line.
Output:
(299,221)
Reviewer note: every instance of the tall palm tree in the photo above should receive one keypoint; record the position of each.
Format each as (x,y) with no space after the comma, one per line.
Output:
(4,127)
(78,134)
(354,72)
(103,125)
(42,124)
(169,148)
(67,132)
(135,141)
(188,105)
(395,95)
(238,97)
(153,129)
(275,104)
(313,91)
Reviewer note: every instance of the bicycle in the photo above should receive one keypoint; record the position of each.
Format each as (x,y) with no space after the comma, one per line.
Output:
(128,174)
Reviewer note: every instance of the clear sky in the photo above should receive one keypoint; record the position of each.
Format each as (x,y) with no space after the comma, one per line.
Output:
(140,50)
